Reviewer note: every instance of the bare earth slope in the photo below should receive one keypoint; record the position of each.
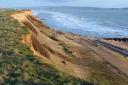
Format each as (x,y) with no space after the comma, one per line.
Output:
(73,54)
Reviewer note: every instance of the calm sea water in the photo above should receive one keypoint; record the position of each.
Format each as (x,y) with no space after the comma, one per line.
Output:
(92,22)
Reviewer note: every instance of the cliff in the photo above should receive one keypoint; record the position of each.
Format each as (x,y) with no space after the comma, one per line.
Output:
(50,45)
(71,54)
(18,64)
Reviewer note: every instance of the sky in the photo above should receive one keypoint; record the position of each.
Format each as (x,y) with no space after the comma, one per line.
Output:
(85,3)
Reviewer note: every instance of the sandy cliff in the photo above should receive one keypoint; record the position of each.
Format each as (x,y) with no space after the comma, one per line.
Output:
(45,47)
(72,54)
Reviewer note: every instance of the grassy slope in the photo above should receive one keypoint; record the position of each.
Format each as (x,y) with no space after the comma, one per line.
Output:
(18,65)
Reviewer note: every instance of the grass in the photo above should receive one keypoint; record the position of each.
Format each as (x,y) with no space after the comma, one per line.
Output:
(18,65)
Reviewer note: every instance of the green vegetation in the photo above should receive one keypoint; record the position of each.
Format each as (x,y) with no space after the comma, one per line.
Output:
(18,65)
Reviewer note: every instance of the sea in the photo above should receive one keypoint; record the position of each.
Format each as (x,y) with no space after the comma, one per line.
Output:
(86,21)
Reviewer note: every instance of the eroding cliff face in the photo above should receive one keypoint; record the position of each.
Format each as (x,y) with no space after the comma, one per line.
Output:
(44,43)
(71,53)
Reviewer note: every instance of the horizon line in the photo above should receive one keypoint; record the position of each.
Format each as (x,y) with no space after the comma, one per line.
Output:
(69,6)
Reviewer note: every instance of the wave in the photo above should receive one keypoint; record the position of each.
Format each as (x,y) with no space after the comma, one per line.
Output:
(79,25)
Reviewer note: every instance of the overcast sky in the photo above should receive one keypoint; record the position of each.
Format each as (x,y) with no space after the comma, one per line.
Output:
(86,3)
